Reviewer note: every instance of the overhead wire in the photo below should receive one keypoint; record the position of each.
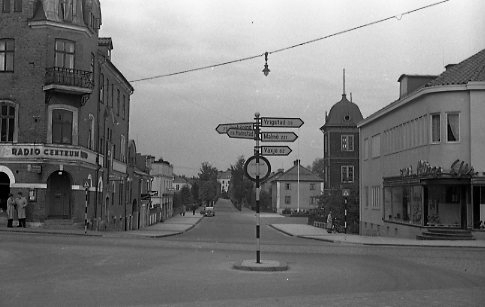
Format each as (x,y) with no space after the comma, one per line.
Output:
(398,17)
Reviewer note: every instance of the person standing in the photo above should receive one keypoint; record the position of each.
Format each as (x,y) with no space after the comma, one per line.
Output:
(10,210)
(329,222)
(21,204)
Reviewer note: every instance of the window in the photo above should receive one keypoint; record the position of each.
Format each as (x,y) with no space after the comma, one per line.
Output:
(123,110)
(435,128)
(61,126)
(376,146)
(7,121)
(122,148)
(112,95)
(453,127)
(287,186)
(118,102)
(312,187)
(6,6)
(347,142)
(17,5)
(64,54)
(325,142)
(347,173)
(287,200)
(101,88)
(366,196)
(7,50)
(375,197)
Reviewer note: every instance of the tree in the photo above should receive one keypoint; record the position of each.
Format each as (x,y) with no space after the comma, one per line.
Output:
(241,189)
(208,186)
(318,168)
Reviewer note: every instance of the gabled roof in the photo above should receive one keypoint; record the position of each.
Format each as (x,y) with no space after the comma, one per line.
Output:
(471,69)
(304,175)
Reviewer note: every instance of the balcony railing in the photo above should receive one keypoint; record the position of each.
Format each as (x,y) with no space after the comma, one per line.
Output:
(71,80)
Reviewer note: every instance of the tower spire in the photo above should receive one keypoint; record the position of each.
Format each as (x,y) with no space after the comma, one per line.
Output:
(343,94)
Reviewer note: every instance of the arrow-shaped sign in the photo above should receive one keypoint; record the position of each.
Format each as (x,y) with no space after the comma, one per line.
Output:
(281,122)
(222,128)
(241,133)
(275,150)
(278,136)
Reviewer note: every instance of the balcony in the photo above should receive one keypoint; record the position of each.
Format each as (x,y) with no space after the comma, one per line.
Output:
(70,81)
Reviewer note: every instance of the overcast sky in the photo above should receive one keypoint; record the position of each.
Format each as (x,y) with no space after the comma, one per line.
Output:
(175,117)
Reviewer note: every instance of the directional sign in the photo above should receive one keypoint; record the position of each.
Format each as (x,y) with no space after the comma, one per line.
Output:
(222,128)
(257,171)
(275,150)
(278,136)
(240,133)
(281,122)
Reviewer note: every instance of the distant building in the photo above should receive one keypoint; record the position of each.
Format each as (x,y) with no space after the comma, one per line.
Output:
(422,156)
(224,178)
(162,186)
(179,183)
(296,189)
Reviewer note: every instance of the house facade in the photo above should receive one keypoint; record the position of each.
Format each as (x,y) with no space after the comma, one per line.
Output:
(65,113)
(224,178)
(421,157)
(297,189)
(162,186)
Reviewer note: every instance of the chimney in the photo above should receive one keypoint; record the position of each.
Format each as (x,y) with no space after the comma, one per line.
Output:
(410,83)
(449,66)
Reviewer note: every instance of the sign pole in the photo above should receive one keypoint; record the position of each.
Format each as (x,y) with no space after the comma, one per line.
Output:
(258,215)
(86,213)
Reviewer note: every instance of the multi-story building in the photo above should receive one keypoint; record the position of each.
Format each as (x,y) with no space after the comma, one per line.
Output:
(341,159)
(162,174)
(224,178)
(297,189)
(65,113)
(421,156)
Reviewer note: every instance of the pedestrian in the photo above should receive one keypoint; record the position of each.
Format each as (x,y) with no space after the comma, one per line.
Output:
(183,210)
(10,210)
(329,222)
(21,204)
(193,209)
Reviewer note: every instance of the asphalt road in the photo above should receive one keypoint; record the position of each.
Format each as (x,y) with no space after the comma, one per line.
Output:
(195,269)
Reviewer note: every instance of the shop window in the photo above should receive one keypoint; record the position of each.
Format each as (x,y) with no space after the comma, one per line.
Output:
(7,51)
(453,127)
(8,125)
(62,126)
(435,128)
(404,204)
(64,54)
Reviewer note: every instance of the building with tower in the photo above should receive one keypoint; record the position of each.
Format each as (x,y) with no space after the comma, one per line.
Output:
(341,150)
(64,113)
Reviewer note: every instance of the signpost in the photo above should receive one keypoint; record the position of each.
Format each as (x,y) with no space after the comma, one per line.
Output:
(257,167)
(86,188)
(240,133)
(275,150)
(222,128)
(278,136)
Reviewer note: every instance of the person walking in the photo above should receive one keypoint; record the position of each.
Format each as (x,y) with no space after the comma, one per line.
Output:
(10,210)
(329,222)
(21,204)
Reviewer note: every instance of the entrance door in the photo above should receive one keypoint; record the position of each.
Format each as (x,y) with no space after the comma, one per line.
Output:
(4,190)
(59,195)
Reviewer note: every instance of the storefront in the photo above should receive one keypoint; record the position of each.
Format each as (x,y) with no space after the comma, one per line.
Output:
(432,197)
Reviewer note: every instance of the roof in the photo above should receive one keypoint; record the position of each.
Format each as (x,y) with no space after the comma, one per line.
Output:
(224,175)
(304,175)
(343,114)
(471,69)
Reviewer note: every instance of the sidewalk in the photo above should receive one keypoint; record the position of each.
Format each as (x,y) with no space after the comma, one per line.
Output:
(173,226)
(311,232)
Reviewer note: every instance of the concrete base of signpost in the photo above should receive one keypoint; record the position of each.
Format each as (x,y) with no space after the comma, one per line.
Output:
(263,266)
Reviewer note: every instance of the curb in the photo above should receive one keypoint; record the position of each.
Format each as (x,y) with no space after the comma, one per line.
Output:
(264,266)
(51,232)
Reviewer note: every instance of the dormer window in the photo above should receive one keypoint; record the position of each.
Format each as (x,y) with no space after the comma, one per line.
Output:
(347,118)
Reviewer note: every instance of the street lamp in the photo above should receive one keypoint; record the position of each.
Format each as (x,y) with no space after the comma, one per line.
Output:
(266,69)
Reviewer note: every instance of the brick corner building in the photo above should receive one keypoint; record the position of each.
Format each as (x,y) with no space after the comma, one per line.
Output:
(64,113)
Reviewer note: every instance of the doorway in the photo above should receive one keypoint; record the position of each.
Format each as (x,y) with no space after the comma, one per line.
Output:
(59,195)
